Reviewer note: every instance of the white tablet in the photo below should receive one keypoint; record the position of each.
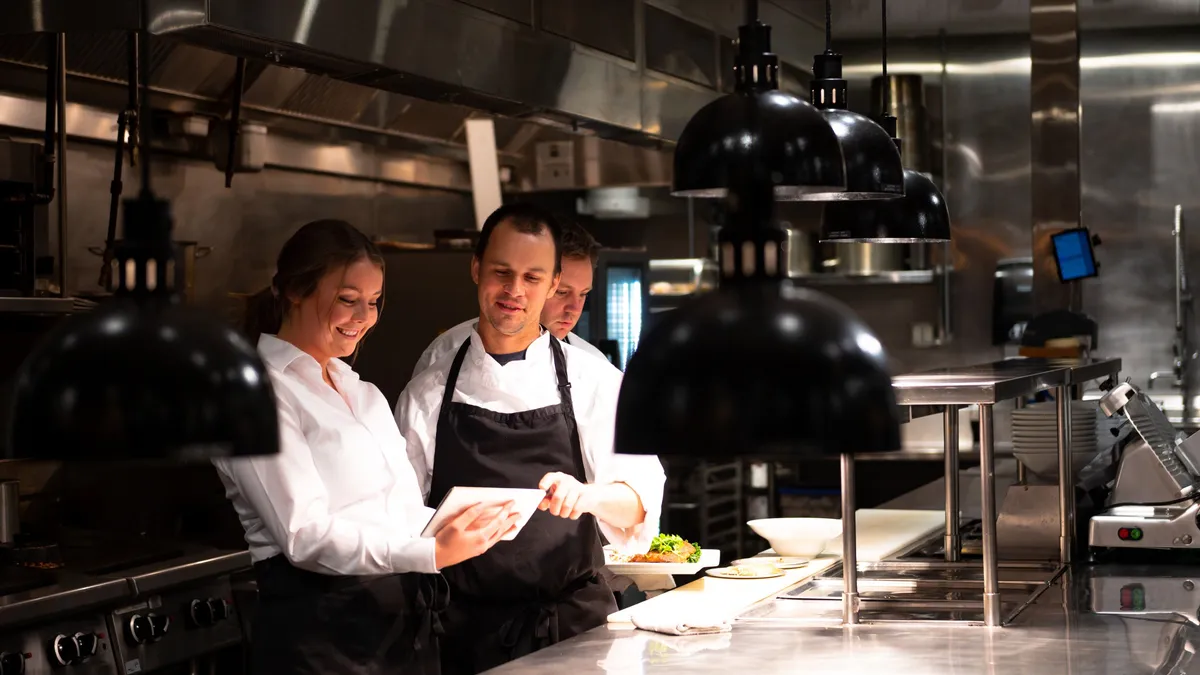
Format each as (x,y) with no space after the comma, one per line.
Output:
(459,498)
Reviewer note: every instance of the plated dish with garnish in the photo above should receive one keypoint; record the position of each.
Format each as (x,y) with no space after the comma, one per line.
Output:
(668,554)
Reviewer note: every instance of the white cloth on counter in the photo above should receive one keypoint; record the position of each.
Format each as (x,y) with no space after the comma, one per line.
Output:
(341,496)
(447,344)
(672,623)
(529,384)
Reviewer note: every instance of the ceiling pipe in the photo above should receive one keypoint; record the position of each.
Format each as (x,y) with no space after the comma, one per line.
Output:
(1054,144)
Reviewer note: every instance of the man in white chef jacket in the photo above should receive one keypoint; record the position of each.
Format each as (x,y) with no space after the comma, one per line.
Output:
(580,253)
(515,407)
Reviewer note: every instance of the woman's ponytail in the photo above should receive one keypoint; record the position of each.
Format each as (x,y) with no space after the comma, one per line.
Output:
(264,314)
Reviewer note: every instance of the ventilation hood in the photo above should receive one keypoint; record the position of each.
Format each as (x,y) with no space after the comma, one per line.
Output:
(578,68)
(617,86)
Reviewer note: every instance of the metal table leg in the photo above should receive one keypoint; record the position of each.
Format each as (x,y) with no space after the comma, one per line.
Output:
(987,480)
(1022,479)
(952,542)
(849,544)
(1066,475)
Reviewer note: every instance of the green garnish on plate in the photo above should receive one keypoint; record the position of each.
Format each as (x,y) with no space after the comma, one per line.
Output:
(673,543)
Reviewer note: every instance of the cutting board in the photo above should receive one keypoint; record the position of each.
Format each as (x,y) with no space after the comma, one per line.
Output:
(881,533)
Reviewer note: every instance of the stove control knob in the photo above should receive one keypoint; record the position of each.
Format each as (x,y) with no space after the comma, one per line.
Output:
(201,613)
(138,629)
(64,650)
(159,625)
(12,663)
(220,608)
(88,644)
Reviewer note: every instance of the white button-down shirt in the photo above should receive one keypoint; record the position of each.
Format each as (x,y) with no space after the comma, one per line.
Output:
(341,496)
(529,384)
(447,344)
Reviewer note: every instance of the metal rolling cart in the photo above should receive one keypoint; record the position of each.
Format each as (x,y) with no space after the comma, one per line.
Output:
(708,505)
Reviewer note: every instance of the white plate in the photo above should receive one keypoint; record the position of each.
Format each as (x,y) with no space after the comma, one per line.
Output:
(1043,440)
(709,557)
(724,573)
(459,498)
(1054,428)
(1077,443)
(783,562)
(1053,431)
(1051,449)
(1084,432)
(1052,419)
(1019,424)
(1042,413)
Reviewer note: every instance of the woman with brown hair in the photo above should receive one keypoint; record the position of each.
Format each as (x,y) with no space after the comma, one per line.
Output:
(345,583)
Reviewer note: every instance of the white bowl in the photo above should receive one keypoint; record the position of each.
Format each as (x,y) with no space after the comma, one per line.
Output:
(804,537)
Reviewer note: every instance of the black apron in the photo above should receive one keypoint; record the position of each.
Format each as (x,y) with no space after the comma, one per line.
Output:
(544,586)
(309,624)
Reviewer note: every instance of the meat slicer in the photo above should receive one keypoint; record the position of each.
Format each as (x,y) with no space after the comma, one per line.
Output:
(1154,500)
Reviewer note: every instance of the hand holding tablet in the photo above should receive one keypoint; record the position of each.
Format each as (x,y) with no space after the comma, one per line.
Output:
(523,501)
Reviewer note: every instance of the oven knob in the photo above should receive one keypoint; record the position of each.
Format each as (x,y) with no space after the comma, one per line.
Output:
(12,663)
(88,643)
(159,625)
(138,629)
(219,608)
(64,650)
(201,613)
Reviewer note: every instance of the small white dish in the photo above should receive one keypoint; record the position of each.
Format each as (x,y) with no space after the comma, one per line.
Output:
(745,572)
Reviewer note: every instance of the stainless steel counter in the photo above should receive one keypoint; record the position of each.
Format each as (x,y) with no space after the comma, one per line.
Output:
(980,384)
(1065,632)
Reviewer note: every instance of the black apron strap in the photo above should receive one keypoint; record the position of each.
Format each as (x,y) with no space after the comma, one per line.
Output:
(564,387)
(452,376)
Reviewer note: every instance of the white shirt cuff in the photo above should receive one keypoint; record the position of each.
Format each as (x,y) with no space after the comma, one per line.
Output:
(637,539)
(415,554)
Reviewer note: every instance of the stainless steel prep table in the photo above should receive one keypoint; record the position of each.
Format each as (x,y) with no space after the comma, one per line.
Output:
(1061,634)
(986,385)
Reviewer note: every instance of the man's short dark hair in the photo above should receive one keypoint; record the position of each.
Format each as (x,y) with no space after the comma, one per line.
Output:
(526,219)
(578,243)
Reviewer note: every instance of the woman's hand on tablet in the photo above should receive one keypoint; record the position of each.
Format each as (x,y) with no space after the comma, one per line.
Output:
(472,532)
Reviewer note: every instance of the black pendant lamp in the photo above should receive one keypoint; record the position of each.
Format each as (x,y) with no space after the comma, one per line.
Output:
(800,149)
(919,216)
(759,368)
(143,376)
(873,166)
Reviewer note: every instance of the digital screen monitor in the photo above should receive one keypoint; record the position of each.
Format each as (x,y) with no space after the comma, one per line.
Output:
(1073,254)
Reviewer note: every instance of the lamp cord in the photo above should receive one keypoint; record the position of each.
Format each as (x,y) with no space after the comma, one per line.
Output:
(887,87)
(828,27)
(146,124)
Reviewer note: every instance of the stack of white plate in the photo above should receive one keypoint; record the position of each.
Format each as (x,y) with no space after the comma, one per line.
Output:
(1035,436)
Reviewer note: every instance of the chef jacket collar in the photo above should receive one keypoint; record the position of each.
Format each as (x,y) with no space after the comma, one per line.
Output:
(537,352)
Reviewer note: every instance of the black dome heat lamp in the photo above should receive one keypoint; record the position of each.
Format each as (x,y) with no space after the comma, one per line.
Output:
(799,148)
(873,167)
(761,368)
(921,215)
(143,376)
